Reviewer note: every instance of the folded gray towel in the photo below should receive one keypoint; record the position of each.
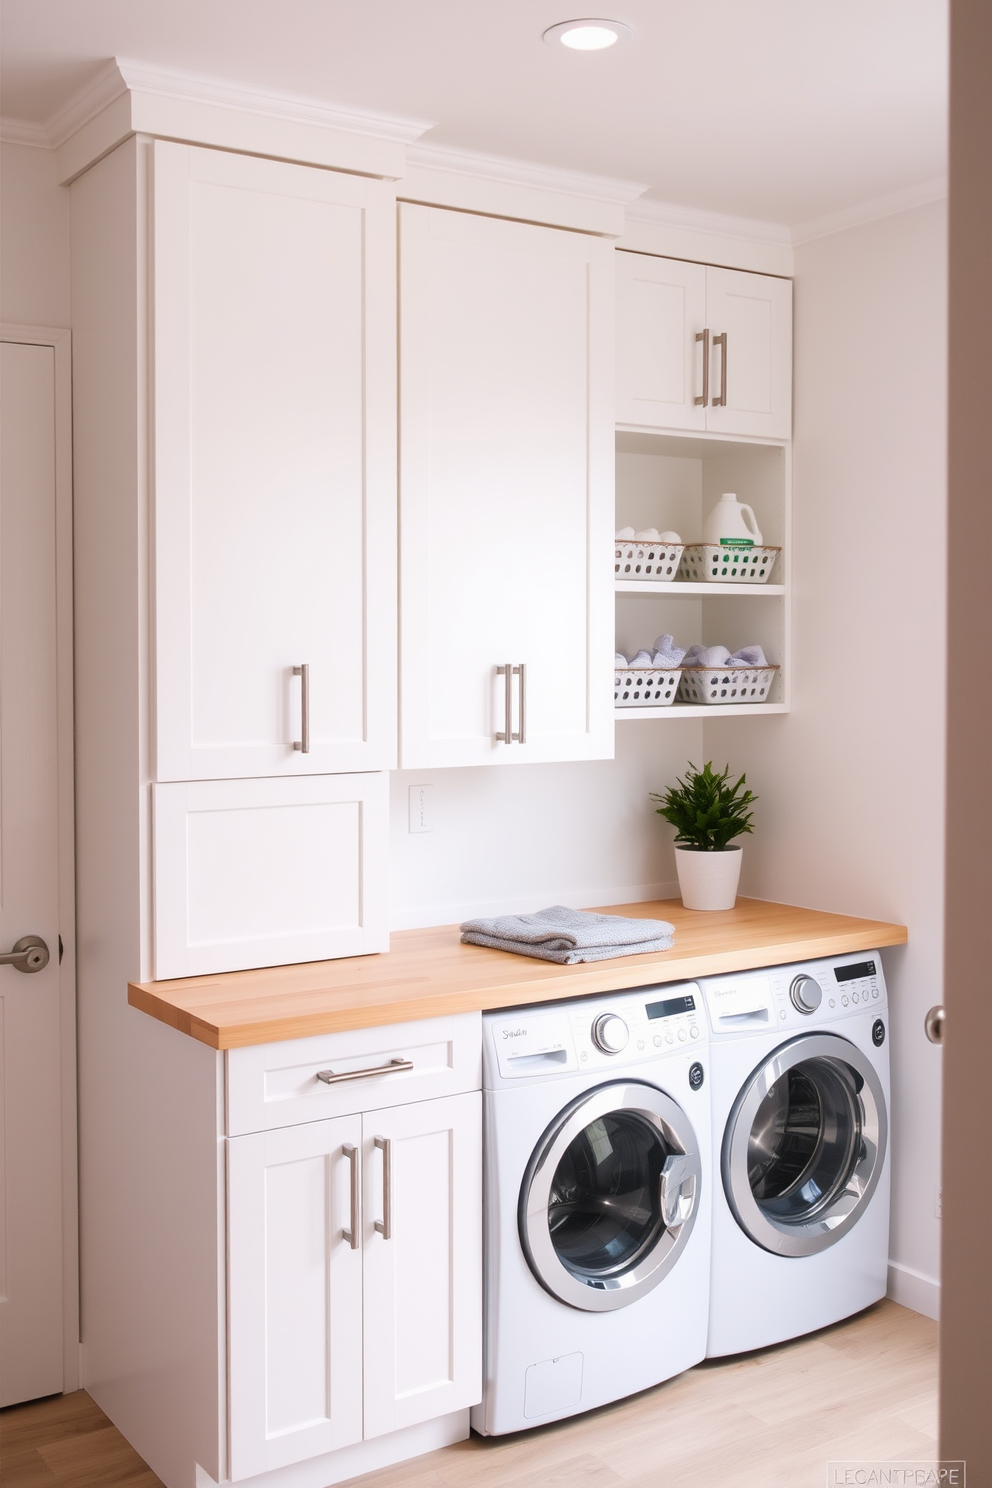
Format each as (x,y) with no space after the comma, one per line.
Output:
(569,935)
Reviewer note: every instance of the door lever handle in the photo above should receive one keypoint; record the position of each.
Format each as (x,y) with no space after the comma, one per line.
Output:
(30,953)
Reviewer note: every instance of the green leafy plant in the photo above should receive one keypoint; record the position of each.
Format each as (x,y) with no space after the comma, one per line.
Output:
(707,811)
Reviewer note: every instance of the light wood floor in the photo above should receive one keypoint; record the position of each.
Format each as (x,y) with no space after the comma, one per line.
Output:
(864,1390)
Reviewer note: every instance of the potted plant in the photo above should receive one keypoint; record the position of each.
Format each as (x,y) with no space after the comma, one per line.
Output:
(707,813)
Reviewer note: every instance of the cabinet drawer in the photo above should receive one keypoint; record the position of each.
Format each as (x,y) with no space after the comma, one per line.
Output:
(273,1085)
(268,872)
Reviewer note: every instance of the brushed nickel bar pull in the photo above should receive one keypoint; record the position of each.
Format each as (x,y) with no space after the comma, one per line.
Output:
(385,1224)
(721,341)
(704,336)
(353,1235)
(394,1066)
(303,672)
(506,672)
(521,736)
(30,953)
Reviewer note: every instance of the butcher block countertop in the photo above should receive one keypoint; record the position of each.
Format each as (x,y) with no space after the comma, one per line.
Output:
(427,973)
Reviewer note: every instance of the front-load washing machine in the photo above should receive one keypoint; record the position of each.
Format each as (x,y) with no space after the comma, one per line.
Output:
(597,1194)
(800,1100)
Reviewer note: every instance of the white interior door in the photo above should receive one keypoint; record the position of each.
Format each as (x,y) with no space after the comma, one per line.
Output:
(506,474)
(36,1221)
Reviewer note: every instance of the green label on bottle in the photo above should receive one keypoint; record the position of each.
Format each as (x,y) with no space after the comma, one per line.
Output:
(737,542)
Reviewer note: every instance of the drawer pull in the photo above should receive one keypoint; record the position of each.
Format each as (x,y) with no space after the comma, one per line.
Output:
(393,1067)
(385,1224)
(352,1236)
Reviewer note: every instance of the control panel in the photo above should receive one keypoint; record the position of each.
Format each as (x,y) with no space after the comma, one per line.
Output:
(787,997)
(598,1035)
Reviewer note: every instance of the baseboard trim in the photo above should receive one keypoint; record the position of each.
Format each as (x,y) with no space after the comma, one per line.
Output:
(914,1290)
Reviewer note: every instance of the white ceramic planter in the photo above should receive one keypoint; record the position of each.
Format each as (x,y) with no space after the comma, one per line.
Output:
(708,880)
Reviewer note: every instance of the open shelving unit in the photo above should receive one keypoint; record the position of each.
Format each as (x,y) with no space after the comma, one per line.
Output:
(671,481)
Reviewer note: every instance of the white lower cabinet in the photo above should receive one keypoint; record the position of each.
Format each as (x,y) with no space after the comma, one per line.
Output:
(354,1278)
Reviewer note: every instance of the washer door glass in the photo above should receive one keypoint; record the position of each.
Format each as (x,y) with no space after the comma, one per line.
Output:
(805,1145)
(609,1196)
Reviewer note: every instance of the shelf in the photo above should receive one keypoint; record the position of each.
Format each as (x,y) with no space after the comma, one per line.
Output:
(701,710)
(696,591)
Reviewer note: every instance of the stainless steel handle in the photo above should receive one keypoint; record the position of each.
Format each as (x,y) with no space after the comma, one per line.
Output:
(353,1234)
(303,672)
(394,1065)
(30,953)
(933,1025)
(676,1204)
(721,341)
(508,672)
(704,336)
(385,1224)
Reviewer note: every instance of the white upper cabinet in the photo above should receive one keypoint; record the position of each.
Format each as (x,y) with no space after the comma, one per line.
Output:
(703,348)
(274,467)
(506,490)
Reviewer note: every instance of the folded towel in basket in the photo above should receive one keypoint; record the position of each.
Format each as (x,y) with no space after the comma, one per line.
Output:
(719,656)
(569,935)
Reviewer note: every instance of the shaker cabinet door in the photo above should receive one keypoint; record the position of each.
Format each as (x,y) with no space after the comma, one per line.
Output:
(506,476)
(661,307)
(295,1295)
(754,364)
(273,466)
(423,1261)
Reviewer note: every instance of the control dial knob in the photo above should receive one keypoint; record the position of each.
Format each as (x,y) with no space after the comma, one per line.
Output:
(806,994)
(610,1033)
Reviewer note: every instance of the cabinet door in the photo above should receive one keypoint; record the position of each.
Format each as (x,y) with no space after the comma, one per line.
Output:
(295,1295)
(754,311)
(274,466)
(268,872)
(661,306)
(423,1276)
(506,476)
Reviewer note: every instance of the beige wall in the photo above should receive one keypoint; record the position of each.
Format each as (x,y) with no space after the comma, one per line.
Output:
(966,1326)
(851,816)
(34,239)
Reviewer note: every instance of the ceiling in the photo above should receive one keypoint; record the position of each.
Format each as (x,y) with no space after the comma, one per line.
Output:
(778,110)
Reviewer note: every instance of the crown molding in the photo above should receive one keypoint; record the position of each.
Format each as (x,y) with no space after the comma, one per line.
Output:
(23,132)
(126,97)
(871,211)
(523,173)
(718,224)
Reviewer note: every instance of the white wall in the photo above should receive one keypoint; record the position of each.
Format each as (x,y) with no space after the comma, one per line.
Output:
(851,815)
(34,239)
(519,837)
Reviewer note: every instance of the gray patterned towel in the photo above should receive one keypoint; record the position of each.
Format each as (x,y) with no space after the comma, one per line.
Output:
(569,935)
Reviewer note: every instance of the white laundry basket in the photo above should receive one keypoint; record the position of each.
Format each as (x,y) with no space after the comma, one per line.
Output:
(709,563)
(715,685)
(645,687)
(656,562)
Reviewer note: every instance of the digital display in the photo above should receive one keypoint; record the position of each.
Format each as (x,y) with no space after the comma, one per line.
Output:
(856,972)
(672,1005)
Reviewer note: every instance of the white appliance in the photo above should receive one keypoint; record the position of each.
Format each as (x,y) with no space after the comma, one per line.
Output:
(799,1061)
(597,1206)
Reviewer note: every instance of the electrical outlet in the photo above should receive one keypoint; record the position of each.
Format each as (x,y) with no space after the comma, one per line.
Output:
(421,819)
(937,1204)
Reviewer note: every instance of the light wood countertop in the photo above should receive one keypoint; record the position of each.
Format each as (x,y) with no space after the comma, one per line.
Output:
(429,972)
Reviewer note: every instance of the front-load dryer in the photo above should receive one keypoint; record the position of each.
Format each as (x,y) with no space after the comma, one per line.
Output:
(800,1099)
(597,1194)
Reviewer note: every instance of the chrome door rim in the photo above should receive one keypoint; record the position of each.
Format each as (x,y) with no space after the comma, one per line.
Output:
(845,1208)
(608,1293)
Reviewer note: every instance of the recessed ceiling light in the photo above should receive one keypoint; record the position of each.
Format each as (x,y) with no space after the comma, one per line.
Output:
(590,35)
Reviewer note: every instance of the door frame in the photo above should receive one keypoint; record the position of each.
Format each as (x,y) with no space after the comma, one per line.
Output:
(61,344)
